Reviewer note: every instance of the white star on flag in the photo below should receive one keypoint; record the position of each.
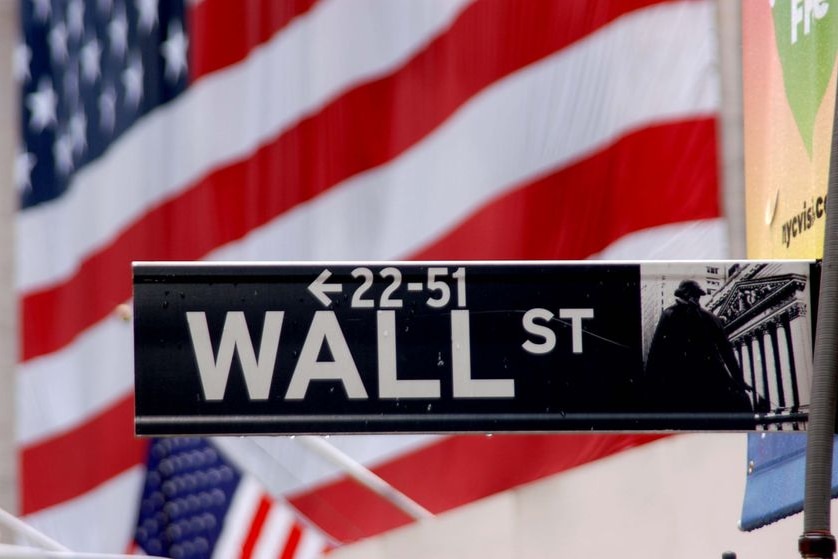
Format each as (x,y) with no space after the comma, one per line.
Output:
(132,79)
(42,104)
(147,14)
(78,132)
(75,18)
(21,59)
(57,39)
(174,51)
(42,10)
(107,109)
(62,152)
(24,163)
(91,57)
(118,34)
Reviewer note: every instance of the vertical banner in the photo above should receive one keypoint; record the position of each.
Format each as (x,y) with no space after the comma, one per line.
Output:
(789,91)
(789,82)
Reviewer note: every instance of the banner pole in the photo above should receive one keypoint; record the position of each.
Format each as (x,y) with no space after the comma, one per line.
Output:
(817,541)
(365,477)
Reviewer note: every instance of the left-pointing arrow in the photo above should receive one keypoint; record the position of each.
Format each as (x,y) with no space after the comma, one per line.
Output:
(319,288)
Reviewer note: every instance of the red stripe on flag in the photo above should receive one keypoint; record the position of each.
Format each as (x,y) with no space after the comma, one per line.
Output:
(70,464)
(256,525)
(292,542)
(411,102)
(348,511)
(244,25)
(515,460)
(447,474)
(572,214)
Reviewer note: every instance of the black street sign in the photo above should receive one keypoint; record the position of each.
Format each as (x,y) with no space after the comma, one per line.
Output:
(471,347)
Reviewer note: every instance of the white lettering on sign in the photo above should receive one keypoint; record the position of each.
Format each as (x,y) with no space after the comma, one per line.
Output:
(545,337)
(464,385)
(395,276)
(804,11)
(325,329)
(389,386)
(319,288)
(576,316)
(358,300)
(235,338)
(438,284)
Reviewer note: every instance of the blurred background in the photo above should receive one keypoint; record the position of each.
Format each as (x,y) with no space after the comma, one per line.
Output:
(278,130)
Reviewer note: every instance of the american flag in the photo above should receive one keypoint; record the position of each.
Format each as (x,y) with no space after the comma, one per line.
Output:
(331,130)
(196,503)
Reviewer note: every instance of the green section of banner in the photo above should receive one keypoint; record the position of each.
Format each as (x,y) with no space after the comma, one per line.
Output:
(805,32)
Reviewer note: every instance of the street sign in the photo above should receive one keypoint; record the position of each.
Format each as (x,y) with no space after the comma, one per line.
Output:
(471,346)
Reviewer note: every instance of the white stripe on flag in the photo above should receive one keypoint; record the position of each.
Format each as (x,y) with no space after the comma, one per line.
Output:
(275,532)
(103,519)
(238,519)
(286,467)
(311,545)
(700,240)
(64,388)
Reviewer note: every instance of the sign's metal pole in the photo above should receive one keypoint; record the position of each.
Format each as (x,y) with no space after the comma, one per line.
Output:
(817,540)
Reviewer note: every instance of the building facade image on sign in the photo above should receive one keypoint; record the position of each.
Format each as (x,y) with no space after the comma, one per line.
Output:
(470,347)
(763,310)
